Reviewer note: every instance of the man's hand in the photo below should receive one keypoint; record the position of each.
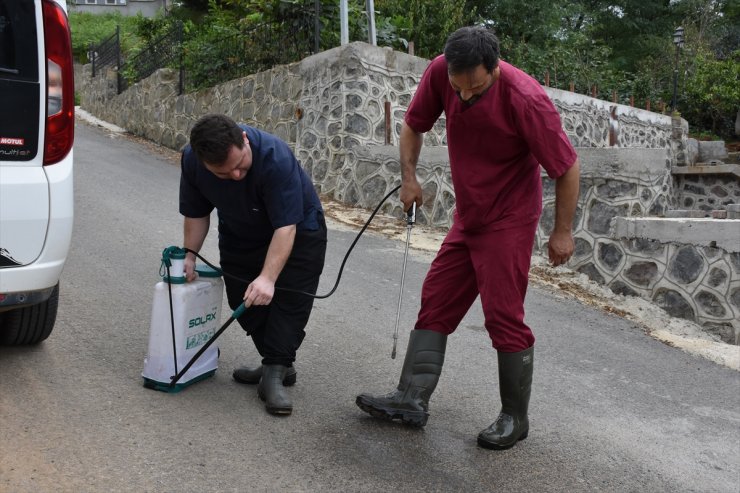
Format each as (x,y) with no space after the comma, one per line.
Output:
(262,289)
(259,292)
(190,274)
(410,193)
(195,230)
(560,247)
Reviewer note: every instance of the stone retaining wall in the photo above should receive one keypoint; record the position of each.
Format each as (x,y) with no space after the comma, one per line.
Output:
(614,182)
(339,92)
(706,192)
(689,267)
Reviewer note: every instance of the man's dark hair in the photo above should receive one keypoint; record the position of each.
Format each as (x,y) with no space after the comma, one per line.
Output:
(469,47)
(212,136)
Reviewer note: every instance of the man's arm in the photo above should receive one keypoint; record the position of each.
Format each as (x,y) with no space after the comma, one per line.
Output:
(561,245)
(410,148)
(195,231)
(262,289)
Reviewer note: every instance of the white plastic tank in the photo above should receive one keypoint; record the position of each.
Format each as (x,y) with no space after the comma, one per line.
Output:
(196,312)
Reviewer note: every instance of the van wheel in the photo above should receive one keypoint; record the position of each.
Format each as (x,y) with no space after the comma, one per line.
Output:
(29,324)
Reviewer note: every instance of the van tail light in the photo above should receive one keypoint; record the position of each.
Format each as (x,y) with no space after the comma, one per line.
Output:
(60,105)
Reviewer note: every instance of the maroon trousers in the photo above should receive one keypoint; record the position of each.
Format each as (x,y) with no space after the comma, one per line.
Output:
(489,262)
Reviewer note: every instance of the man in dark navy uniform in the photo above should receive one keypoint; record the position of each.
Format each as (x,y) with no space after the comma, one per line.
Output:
(271,233)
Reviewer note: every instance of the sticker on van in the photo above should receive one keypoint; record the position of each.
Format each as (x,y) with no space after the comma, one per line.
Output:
(12,141)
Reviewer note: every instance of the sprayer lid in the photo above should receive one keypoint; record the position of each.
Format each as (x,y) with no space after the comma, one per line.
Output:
(174,280)
(206,271)
(173,252)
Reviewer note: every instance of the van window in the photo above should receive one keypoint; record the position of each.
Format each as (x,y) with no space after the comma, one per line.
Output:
(18,51)
(19,81)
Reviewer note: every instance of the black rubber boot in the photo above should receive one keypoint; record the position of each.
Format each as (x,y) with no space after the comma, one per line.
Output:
(271,390)
(419,376)
(515,386)
(251,376)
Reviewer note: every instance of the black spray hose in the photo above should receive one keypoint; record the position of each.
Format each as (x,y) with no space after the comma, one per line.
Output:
(242,308)
(341,267)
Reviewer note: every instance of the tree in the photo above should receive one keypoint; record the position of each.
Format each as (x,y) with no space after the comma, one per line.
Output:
(425,22)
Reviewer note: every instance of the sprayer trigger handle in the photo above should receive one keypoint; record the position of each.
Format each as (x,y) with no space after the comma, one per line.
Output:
(411,214)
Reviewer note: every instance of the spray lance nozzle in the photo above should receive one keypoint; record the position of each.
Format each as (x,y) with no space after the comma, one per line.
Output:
(410,220)
(411,214)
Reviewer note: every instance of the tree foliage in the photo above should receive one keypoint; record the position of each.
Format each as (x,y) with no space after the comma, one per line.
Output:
(88,29)
(425,22)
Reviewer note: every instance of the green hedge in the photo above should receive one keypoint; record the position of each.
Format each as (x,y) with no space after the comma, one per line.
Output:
(90,29)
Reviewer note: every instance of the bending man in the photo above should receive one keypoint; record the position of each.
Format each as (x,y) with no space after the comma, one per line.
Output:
(271,232)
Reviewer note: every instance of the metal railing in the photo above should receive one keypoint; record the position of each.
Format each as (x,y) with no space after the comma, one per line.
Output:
(204,63)
(250,51)
(107,53)
(164,51)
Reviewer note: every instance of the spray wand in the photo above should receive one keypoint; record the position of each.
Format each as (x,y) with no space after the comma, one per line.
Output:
(410,220)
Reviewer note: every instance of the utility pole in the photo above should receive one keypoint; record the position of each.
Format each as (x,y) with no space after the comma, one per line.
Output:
(372,38)
(343,22)
(678,41)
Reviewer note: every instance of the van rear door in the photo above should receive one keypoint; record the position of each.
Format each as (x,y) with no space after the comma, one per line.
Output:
(24,189)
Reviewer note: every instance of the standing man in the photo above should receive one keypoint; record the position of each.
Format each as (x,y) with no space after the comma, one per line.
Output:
(501,126)
(271,232)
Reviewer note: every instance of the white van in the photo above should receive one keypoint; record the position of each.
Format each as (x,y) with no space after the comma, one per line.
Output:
(36,137)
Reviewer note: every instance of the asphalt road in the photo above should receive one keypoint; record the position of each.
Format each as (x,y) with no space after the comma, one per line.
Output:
(612,409)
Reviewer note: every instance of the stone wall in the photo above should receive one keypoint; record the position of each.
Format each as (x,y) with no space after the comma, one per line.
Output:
(153,109)
(339,92)
(330,108)
(689,267)
(345,91)
(706,192)
(615,182)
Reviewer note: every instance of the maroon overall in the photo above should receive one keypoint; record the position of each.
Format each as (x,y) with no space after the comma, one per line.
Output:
(496,147)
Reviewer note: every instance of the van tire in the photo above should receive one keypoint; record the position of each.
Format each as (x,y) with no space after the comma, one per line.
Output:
(29,324)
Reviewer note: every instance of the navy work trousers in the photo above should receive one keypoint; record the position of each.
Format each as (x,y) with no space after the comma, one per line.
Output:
(278,329)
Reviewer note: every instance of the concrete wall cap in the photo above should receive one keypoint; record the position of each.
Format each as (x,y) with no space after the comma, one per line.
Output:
(719,233)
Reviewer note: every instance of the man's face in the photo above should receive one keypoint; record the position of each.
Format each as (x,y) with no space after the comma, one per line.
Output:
(470,86)
(237,163)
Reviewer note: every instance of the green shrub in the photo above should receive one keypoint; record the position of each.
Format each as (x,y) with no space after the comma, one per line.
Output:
(90,29)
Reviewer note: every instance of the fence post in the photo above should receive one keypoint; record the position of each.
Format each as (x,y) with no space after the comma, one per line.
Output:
(632,100)
(614,96)
(647,104)
(411,48)
(572,86)
(593,91)
(118,58)
(180,41)
(547,78)
(387,107)
(92,56)
(316,25)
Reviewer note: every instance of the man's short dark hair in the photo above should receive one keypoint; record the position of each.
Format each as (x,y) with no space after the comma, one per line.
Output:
(212,136)
(469,47)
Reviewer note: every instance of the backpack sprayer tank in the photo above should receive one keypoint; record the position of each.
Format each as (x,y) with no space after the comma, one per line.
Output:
(185,315)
